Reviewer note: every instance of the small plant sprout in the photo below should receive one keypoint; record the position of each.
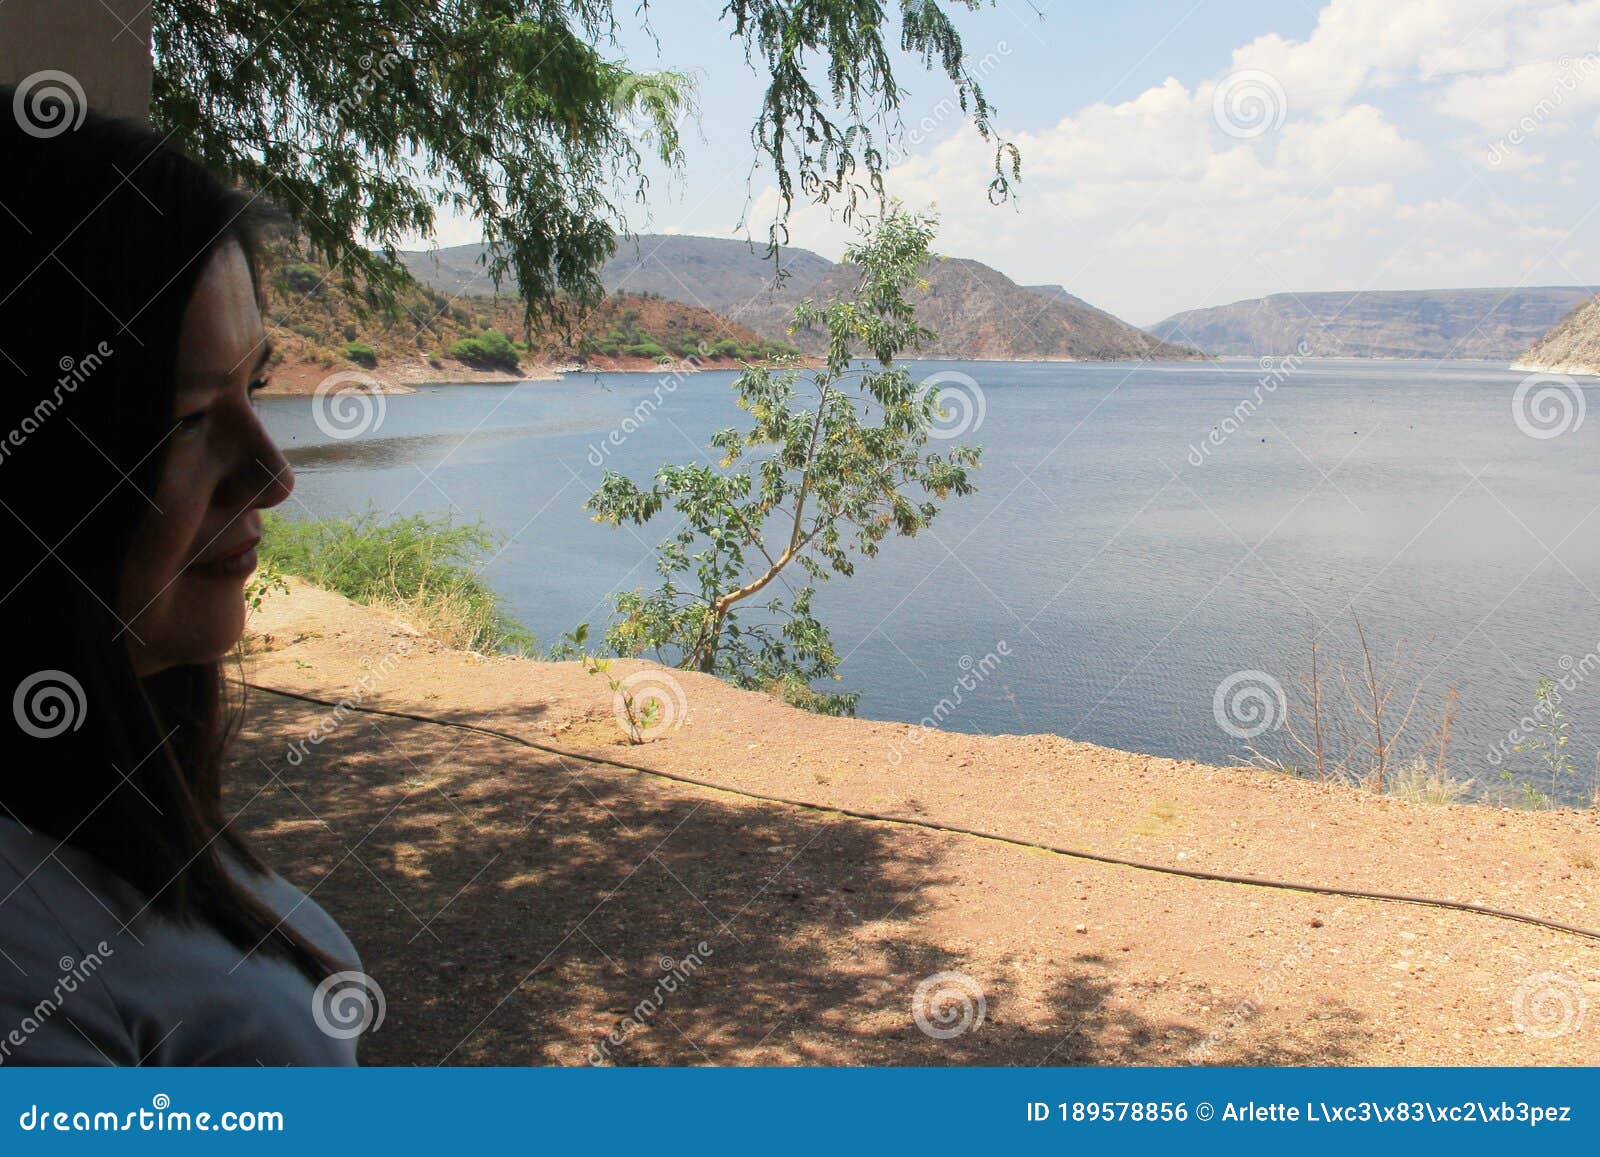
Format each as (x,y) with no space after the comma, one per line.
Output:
(1549,741)
(268,578)
(636,713)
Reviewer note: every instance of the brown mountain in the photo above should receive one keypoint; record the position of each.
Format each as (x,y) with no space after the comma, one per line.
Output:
(1490,324)
(714,273)
(981,314)
(977,311)
(317,329)
(1572,347)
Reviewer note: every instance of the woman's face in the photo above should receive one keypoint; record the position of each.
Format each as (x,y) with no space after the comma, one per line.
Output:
(182,590)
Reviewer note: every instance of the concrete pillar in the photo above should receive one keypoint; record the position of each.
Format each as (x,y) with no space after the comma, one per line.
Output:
(102,45)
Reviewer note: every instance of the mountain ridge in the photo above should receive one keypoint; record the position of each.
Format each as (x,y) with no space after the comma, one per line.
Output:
(1491,324)
(978,312)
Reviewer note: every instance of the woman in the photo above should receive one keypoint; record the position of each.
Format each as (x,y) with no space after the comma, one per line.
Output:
(136,925)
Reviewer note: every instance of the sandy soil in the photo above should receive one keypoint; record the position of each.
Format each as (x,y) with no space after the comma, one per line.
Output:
(519,907)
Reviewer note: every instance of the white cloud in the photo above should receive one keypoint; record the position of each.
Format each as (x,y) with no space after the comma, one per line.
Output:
(1379,173)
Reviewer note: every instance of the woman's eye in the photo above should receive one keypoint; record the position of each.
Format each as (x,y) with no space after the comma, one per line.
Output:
(189,421)
(256,387)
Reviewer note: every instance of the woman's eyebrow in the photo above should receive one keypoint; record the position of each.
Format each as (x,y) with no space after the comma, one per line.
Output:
(199,379)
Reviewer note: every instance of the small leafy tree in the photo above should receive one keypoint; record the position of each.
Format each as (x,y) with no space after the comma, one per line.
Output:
(833,461)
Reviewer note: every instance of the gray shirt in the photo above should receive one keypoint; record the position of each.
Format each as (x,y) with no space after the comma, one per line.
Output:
(91,974)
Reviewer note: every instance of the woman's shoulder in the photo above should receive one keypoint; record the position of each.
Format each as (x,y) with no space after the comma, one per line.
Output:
(156,991)
(56,937)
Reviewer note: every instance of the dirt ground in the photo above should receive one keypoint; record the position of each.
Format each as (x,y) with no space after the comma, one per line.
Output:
(519,907)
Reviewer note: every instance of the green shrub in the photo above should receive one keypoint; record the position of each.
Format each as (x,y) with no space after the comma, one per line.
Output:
(299,278)
(361,353)
(487,350)
(422,567)
(796,692)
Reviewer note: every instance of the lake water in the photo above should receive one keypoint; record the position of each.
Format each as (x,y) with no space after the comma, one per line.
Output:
(1139,540)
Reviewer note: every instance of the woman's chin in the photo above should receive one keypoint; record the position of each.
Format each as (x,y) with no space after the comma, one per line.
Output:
(201,629)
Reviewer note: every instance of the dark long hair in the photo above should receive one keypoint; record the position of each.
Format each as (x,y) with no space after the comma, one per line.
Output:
(104,230)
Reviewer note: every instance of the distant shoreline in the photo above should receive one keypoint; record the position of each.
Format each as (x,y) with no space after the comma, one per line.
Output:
(304,378)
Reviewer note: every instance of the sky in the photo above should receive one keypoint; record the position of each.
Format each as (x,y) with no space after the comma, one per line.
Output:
(1197,152)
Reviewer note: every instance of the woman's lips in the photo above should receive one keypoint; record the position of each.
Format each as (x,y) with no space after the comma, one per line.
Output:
(236,563)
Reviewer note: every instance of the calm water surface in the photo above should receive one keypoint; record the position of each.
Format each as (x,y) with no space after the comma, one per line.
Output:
(1117,564)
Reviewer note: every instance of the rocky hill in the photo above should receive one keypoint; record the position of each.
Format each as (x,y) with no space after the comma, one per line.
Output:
(981,314)
(317,329)
(977,311)
(1491,324)
(715,273)
(1572,347)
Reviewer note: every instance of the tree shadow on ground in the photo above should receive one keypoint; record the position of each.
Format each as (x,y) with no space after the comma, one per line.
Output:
(520,908)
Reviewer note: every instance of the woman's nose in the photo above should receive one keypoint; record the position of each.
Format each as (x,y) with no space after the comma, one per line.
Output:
(262,476)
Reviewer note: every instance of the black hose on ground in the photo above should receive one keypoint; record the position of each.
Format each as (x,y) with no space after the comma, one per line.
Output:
(951,829)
